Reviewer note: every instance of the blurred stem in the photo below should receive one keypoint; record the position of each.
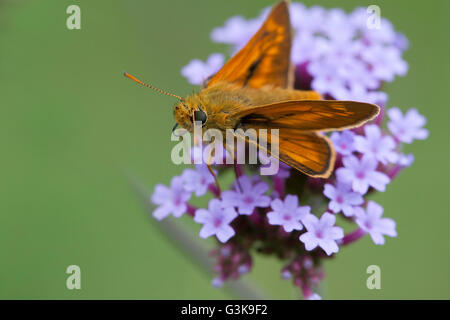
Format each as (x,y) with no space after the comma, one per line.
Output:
(190,210)
(214,190)
(353,236)
(187,244)
(279,186)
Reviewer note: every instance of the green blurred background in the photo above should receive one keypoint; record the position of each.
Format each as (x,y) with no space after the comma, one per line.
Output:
(72,128)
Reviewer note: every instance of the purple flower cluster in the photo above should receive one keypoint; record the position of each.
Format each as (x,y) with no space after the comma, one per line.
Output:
(290,215)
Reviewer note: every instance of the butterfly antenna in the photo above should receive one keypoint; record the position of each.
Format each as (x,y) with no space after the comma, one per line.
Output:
(126,74)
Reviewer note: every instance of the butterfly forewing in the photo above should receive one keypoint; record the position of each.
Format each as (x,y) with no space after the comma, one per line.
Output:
(265,59)
(308,115)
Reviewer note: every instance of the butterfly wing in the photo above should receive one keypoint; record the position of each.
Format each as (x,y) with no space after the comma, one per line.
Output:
(308,152)
(265,60)
(308,115)
(299,145)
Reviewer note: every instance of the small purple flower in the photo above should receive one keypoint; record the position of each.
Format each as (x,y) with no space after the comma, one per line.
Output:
(197,180)
(243,268)
(343,142)
(217,283)
(405,160)
(170,200)
(361,174)
(374,144)
(385,35)
(371,221)
(309,20)
(337,19)
(284,171)
(322,233)
(385,62)
(237,30)
(216,221)
(325,80)
(298,13)
(340,73)
(198,71)
(407,127)
(360,93)
(286,274)
(314,296)
(307,47)
(252,196)
(288,214)
(351,69)
(342,198)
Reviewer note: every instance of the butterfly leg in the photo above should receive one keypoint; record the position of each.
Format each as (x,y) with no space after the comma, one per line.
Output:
(216,181)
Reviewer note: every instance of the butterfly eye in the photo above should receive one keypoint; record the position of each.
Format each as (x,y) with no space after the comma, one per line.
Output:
(200,115)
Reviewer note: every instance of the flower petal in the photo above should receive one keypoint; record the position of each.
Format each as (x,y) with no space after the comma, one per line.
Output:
(309,240)
(224,233)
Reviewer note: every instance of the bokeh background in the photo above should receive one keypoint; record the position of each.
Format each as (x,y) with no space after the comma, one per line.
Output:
(73,131)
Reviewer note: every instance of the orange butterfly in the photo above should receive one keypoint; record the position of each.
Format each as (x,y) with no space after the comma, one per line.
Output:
(253,90)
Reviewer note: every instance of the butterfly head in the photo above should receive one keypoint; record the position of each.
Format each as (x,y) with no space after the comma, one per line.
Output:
(188,111)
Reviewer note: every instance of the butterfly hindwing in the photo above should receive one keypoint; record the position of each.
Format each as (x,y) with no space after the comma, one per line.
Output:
(308,152)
